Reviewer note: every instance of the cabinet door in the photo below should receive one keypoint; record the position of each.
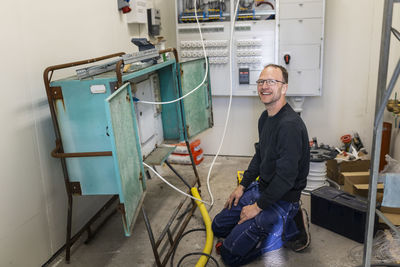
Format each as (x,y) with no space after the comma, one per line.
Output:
(302,57)
(301,31)
(197,106)
(301,10)
(304,83)
(127,157)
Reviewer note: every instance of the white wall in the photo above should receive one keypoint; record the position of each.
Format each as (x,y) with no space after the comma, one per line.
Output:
(347,104)
(34,35)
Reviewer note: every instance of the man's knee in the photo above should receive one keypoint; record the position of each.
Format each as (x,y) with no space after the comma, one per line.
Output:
(219,228)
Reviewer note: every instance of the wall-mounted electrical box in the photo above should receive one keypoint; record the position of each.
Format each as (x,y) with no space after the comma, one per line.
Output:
(154,21)
(138,12)
(265,32)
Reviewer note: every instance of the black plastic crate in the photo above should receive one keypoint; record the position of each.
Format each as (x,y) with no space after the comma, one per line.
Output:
(340,212)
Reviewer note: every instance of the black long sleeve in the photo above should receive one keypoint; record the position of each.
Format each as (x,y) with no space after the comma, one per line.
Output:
(281,159)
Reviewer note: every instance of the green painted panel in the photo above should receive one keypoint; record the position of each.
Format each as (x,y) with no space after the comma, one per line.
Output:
(126,153)
(171,113)
(197,106)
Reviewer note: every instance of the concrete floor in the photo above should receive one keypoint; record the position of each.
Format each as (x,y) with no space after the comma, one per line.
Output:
(112,249)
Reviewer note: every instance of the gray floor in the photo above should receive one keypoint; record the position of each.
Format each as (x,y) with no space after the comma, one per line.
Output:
(111,248)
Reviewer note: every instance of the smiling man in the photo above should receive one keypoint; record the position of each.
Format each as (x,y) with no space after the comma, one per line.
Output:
(261,215)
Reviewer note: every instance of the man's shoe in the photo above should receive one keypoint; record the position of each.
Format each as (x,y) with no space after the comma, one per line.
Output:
(303,239)
(218,246)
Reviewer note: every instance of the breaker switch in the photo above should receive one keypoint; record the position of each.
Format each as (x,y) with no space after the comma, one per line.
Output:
(244,76)
(286,58)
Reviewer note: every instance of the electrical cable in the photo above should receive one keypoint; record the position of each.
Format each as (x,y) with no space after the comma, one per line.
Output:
(385,250)
(197,253)
(190,254)
(265,3)
(229,106)
(204,78)
(171,185)
(226,120)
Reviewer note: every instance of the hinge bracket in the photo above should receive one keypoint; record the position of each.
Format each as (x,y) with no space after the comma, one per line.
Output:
(56,92)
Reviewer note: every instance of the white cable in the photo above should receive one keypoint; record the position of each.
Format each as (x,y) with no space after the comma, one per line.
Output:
(229,106)
(205,75)
(228,111)
(168,183)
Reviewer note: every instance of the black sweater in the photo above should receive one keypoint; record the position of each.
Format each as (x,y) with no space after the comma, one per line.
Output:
(282,158)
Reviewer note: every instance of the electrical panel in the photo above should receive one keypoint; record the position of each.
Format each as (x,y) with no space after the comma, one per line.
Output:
(285,32)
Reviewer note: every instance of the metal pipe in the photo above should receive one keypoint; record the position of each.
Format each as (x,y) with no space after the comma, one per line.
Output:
(389,223)
(57,154)
(388,92)
(377,133)
(151,236)
(173,50)
(177,174)
(396,33)
(118,68)
(183,226)
(172,218)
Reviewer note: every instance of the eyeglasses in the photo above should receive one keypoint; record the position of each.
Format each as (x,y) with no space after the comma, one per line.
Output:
(269,82)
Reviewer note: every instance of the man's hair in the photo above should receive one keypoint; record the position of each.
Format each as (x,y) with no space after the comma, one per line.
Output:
(284,72)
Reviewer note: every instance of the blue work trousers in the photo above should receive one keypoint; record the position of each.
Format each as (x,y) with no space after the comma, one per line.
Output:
(266,232)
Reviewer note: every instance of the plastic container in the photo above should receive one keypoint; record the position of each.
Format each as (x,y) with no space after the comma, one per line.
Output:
(340,212)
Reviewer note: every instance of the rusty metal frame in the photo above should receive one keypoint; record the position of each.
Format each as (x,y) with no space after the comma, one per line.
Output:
(173,241)
(58,152)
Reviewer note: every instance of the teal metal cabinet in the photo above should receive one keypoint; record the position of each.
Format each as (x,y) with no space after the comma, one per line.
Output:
(95,116)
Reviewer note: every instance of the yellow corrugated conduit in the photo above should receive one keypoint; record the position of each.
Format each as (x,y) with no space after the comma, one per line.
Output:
(207,222)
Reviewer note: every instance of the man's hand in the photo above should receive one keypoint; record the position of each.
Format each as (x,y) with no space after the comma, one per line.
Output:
(234,197)
(249,212)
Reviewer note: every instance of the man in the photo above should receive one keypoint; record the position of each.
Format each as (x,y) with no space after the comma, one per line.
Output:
(259,215)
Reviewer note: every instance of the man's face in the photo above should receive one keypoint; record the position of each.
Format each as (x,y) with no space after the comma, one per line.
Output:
(270,93)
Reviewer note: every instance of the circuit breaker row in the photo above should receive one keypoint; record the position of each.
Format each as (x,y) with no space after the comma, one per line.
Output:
(207,43)
(248,42)
(248,51)
(200,53)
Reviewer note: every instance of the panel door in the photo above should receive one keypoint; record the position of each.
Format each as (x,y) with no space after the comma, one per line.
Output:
(197,107)
(126,152)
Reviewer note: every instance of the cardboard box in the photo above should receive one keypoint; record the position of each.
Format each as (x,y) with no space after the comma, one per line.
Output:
(393,214)
(357,183)
(333,168)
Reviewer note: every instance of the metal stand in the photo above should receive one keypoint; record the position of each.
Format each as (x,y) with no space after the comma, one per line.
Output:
(173,241)
(72,189)
(382,96)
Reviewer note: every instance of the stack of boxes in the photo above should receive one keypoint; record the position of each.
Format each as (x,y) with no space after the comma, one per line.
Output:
(181,153)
